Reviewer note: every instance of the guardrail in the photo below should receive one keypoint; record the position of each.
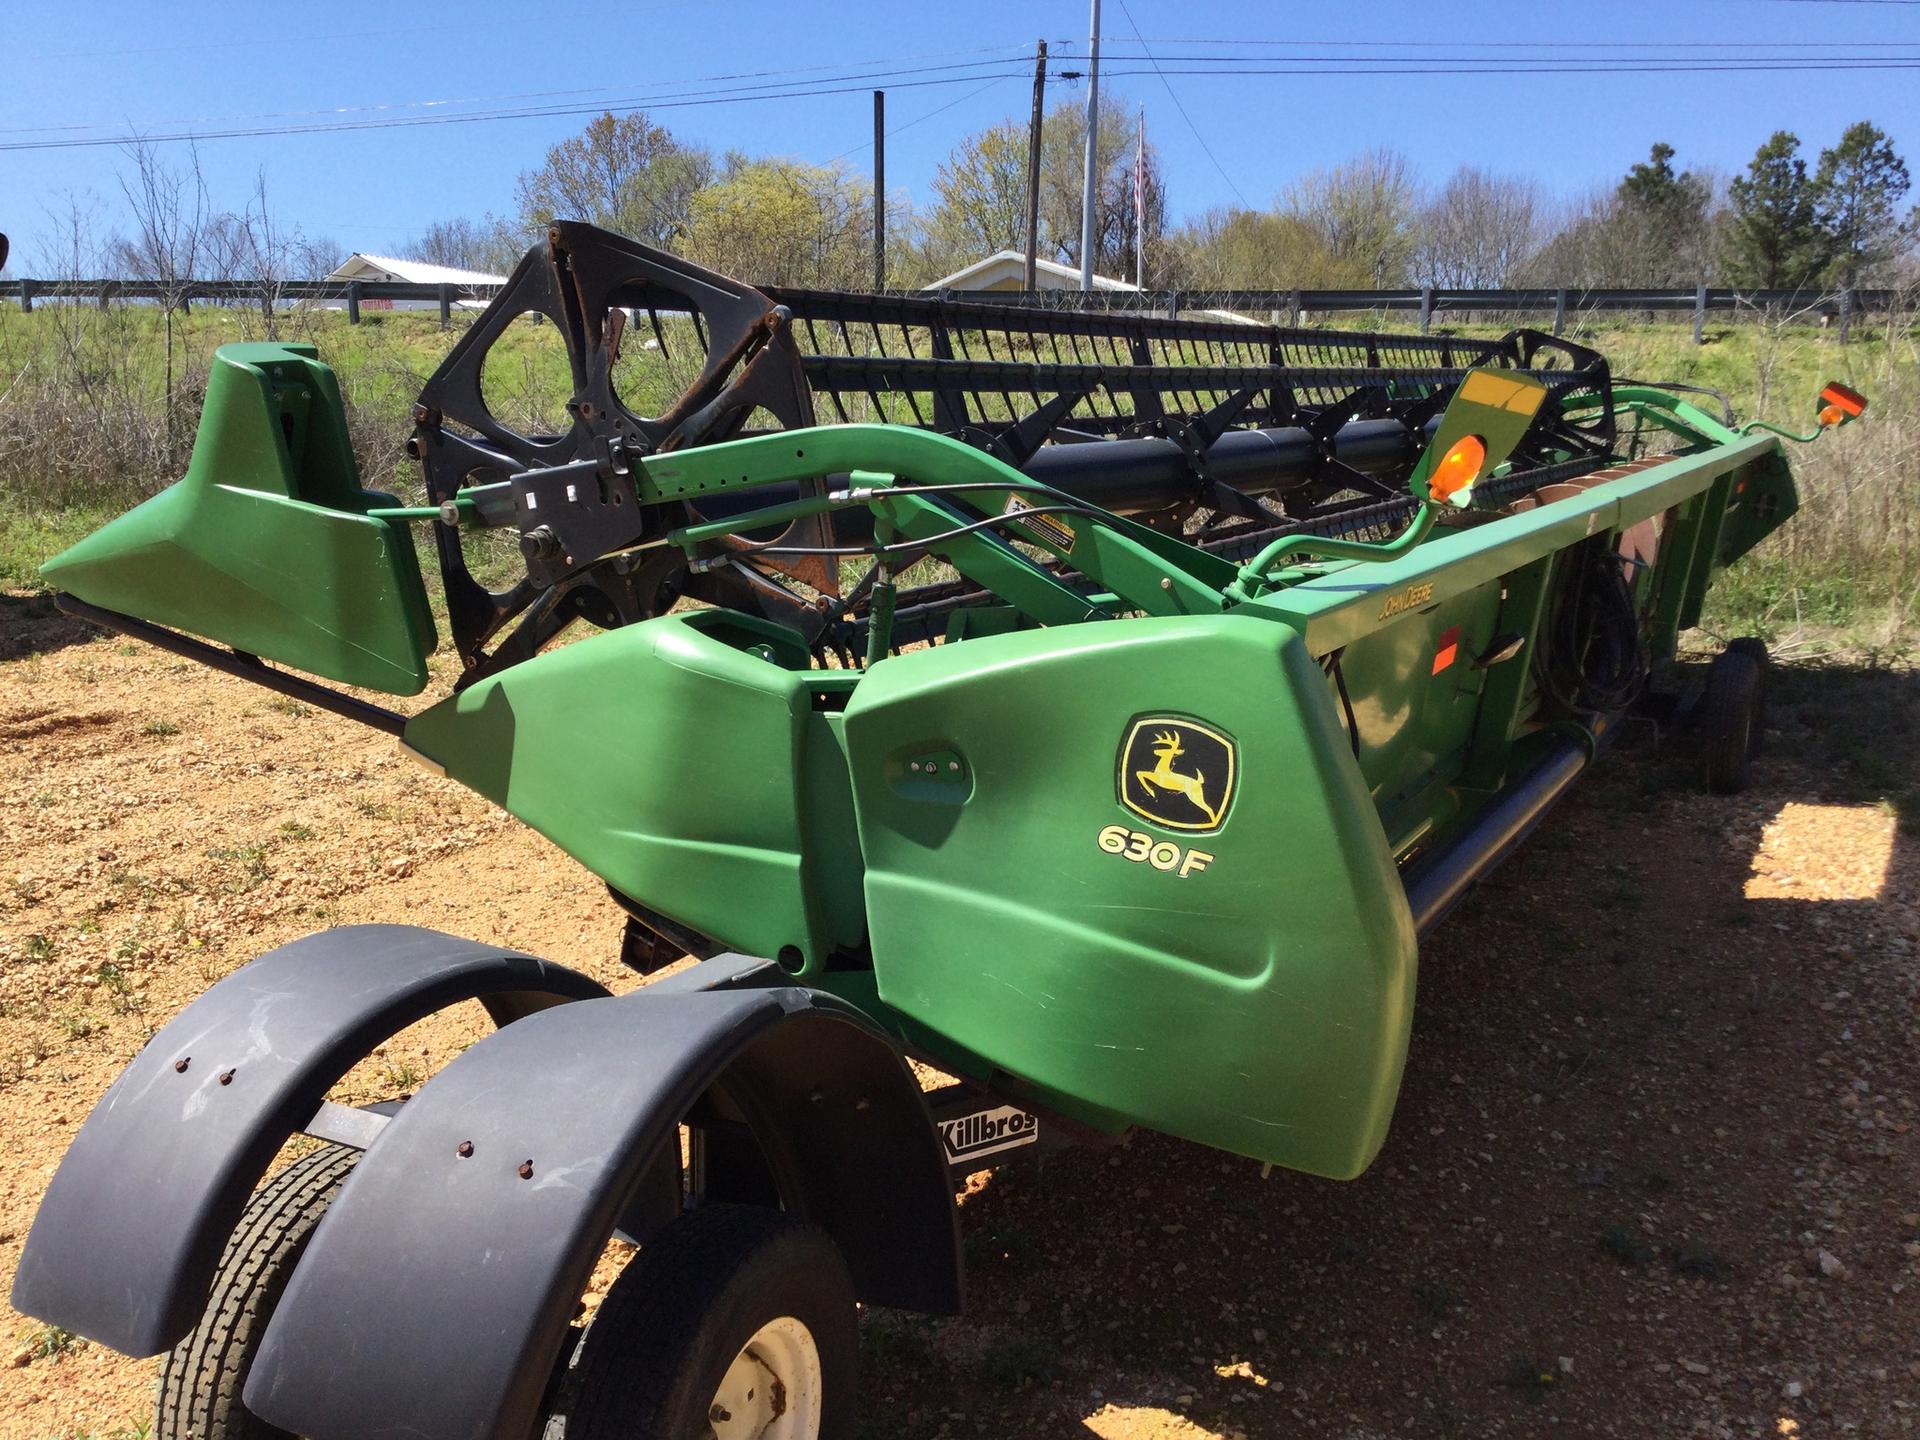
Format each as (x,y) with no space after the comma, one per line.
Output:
(1291,307)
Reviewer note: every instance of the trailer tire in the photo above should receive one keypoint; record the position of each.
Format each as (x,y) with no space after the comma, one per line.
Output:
(670,1340)
(1733,712)
(1757,648)
(202,1377)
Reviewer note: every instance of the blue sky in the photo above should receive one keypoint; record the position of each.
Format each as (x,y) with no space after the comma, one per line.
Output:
(187,65)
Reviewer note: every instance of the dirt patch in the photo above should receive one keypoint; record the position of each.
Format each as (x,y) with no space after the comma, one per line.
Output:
(1654,1169)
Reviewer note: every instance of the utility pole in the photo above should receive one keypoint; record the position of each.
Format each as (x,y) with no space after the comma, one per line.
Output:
(1140,204)
(1033,164)
(1093,149)
(879,190)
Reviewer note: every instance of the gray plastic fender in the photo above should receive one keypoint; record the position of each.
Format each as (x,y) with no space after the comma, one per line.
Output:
(435,1295)
(127,1239)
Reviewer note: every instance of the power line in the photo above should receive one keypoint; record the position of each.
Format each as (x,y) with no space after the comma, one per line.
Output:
(668,89)
(475,117)
(1452,68)
(1167,85)
(1456,44)
(1599,64)
(928,115)
(1221,67)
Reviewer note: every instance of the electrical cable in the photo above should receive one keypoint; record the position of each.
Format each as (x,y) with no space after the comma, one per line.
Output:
(1597,660)
(921,542)
(1168,86)
(863,83)
(673,89)
(1229,68)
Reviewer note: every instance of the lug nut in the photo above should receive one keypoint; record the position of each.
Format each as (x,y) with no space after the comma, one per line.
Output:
(526,1169)
(226,1077)
(180,1065)
(464,1149)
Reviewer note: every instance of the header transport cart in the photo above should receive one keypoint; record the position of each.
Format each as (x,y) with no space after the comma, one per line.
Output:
(1098,706)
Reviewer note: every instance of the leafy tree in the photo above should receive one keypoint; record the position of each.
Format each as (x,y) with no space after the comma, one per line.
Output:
(1860,184)
(622,172)
(1773,239)
(1233,249)
(980,192)
(1363,212)
(1661,220)
(779,222)
(980,198)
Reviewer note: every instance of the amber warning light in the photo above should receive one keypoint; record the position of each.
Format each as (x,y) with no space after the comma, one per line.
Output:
(1458,469)
(1840,403)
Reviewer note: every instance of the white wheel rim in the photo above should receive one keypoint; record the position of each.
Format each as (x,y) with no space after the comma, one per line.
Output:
(773,1388)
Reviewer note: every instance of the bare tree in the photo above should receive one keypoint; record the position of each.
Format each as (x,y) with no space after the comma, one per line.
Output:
(1477,232)
(489,245)
(267,253)
(169,241)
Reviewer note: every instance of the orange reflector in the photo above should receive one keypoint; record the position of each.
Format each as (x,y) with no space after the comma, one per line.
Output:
(1448,649)
(1846,400)
(1831,415)
(1458,468)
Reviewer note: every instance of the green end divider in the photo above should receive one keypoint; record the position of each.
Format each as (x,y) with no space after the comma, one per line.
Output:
(267,544)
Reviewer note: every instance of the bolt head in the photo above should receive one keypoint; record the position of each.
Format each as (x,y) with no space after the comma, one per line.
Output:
(464,1149)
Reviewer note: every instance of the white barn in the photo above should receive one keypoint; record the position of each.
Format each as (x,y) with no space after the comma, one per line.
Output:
(1007,270)
(360,266)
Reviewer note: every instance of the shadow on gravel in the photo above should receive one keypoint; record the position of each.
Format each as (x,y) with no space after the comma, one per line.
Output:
(1647,1091)
(31,625)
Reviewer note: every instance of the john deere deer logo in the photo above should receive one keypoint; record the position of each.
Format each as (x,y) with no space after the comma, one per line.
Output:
(1176,773)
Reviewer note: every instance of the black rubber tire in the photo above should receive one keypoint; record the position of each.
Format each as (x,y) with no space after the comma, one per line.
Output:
(649,1364)
(1757,648)
(201,1379)
(1731,713)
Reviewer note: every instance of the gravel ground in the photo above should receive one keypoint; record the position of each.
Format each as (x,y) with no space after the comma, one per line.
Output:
(1654,1170)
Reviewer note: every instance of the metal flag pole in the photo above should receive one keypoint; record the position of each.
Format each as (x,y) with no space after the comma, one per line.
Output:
(1093,148)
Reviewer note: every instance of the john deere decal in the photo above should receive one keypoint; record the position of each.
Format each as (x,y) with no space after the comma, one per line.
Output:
(1176,773)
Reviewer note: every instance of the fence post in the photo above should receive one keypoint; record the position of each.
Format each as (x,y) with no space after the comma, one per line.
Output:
(1846,314)
(1700,313)
(106,293)
(1294,315)
(1426,308)
(353,302)
(1173,304)
(26,296)
(1559,311)
(446,304)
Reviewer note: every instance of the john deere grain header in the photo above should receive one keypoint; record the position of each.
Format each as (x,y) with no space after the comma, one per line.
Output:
(1098,706)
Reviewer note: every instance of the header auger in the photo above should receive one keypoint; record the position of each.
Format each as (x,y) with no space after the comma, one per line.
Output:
(1098,706)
